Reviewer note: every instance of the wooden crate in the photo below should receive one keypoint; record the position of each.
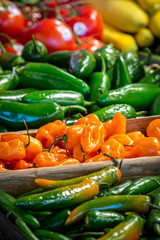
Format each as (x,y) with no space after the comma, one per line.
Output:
(17,182)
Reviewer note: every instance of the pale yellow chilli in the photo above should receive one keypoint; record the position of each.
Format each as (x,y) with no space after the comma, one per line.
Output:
(144,37)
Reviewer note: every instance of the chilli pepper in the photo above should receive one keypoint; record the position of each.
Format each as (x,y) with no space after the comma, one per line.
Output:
(35,114)
(130,229)
(73,135)
(15,95)
(23,227)
(121,75)
(122,138)
(89,119)
(47,133)
(153,223)
(142,185)
(68,161)
(55,222)
(155,107)
(134,65)
(92,137)
(7,206)
(116,190)
(82,156)
(119,203)
(10,60)
(152,194)
(97,158)
(60,58)
(98,220)
(8,81)
(45,159)
(99,82)
(113,148)
(148,146)
(60,198)
(132,94)
(32,145)
(117,125)
(108,176)
(34,51)
(51,235)
(21,164)
(12,150)
(107,113)
(46,76)
(109,53)
(82,63)
(153,129)
(61,97)
(153,78)
(136,135)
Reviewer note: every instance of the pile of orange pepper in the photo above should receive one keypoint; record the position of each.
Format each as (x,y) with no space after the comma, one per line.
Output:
(88,140)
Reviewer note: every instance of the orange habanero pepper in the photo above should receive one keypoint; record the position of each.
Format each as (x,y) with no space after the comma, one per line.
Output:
(79,154)
(136,135)
(113,148)
(90,118)
(21,164)
(148,146)
(122,138)
(45,159)
(73,135)
(153,129)
(49,132)
(32,149)
(12,150)
(92,137)
(68,161)
(98,158)
(117,125)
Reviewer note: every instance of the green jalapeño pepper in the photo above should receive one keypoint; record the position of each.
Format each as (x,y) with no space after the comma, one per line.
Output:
(108,112)
(60,198)
(108,53)
(98,220)
(9,60)
(138,95)
(153,223)
(55,222)
(152,78)
(7,206)
(155,107)
(119,203)
(34,51)
(82,63)
(99,82)
(121,75)
(61,97)
(142,185)
(130,228)
(8,80)
(60,58)
(46,76)
(135,67)
(35,114)
(15,95)
(106,176)
(45,234)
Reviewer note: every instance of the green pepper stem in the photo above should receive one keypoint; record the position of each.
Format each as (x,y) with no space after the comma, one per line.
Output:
(147,58)
(26,145)
(115,161)
(63,139)
(2,48)
(34,43)
(96,234)
(141,113)
(103,69)
(74,109)
(87,103)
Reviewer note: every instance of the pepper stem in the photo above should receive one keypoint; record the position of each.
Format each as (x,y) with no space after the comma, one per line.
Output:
(26,145)
(34,43)
(146,59)
(115,161)
(63,139)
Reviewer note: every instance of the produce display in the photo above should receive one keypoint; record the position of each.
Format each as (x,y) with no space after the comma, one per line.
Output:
(94,206)
(71,75)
